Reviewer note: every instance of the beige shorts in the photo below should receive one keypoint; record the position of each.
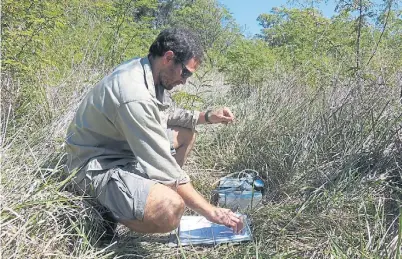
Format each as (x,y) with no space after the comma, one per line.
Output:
(122,190)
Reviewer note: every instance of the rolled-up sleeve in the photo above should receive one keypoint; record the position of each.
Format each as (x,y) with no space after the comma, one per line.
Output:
(183,118)
(139,123)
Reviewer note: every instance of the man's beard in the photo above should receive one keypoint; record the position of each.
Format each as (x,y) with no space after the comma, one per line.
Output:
(163,79)
(167,87)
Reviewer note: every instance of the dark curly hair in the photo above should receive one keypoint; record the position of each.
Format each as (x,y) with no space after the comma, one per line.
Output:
(184,43)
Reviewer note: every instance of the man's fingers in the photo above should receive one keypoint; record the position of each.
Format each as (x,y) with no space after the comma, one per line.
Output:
(235,219)
(232,214)
(228,113)
(240,225)
(223,115)
(230,219)
(236,222)
(225,119)
(235,228)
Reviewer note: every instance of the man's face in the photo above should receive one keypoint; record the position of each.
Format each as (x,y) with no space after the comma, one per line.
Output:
(173,74)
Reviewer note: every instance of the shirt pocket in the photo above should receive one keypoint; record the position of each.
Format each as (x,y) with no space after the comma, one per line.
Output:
(163,113)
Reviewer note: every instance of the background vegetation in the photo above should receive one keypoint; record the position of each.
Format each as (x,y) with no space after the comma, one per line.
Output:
(318,106)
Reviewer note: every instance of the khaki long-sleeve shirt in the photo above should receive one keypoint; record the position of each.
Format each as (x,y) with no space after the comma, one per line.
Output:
(123,119)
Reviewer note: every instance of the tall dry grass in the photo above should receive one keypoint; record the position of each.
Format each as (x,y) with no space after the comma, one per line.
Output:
(39,218)
(331,158)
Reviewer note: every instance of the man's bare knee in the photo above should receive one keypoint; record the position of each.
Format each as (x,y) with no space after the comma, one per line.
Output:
(163,212)
(172,215)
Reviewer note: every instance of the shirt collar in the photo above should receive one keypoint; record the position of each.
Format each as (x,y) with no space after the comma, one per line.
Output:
(157,92)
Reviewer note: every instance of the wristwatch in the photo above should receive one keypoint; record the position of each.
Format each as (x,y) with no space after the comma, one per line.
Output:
(207,113)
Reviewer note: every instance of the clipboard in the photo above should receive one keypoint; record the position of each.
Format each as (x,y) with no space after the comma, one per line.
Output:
(197,230)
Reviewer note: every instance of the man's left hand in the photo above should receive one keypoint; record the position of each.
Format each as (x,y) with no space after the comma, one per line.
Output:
(223,115)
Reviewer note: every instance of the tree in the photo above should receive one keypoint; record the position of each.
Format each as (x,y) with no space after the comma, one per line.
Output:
(25,28)
(213,24)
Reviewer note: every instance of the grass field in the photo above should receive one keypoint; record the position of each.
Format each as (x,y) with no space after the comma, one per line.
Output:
(331,157)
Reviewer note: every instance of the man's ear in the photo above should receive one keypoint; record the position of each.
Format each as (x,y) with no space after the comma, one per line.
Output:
(168,57)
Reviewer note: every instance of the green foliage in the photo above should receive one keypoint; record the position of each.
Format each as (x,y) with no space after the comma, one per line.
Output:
(187,101)
(130,30)
(213,24)
(316,114)
(315,45)
(247,63)
(27,30)
(26,26)
(216,29)
(43,41)
(305,40)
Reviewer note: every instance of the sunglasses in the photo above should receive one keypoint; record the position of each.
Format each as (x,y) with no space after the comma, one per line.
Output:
(185,73)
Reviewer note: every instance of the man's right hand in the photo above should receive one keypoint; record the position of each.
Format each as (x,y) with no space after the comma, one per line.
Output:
(222,216)
(226,217)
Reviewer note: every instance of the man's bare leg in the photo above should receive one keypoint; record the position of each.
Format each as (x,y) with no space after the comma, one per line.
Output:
(164,207)
(163,211)
(183,142)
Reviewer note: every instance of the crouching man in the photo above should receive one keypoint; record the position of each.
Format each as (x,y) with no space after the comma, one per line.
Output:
(129,150)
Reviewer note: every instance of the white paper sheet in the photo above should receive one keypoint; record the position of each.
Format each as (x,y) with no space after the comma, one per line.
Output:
(195,230)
